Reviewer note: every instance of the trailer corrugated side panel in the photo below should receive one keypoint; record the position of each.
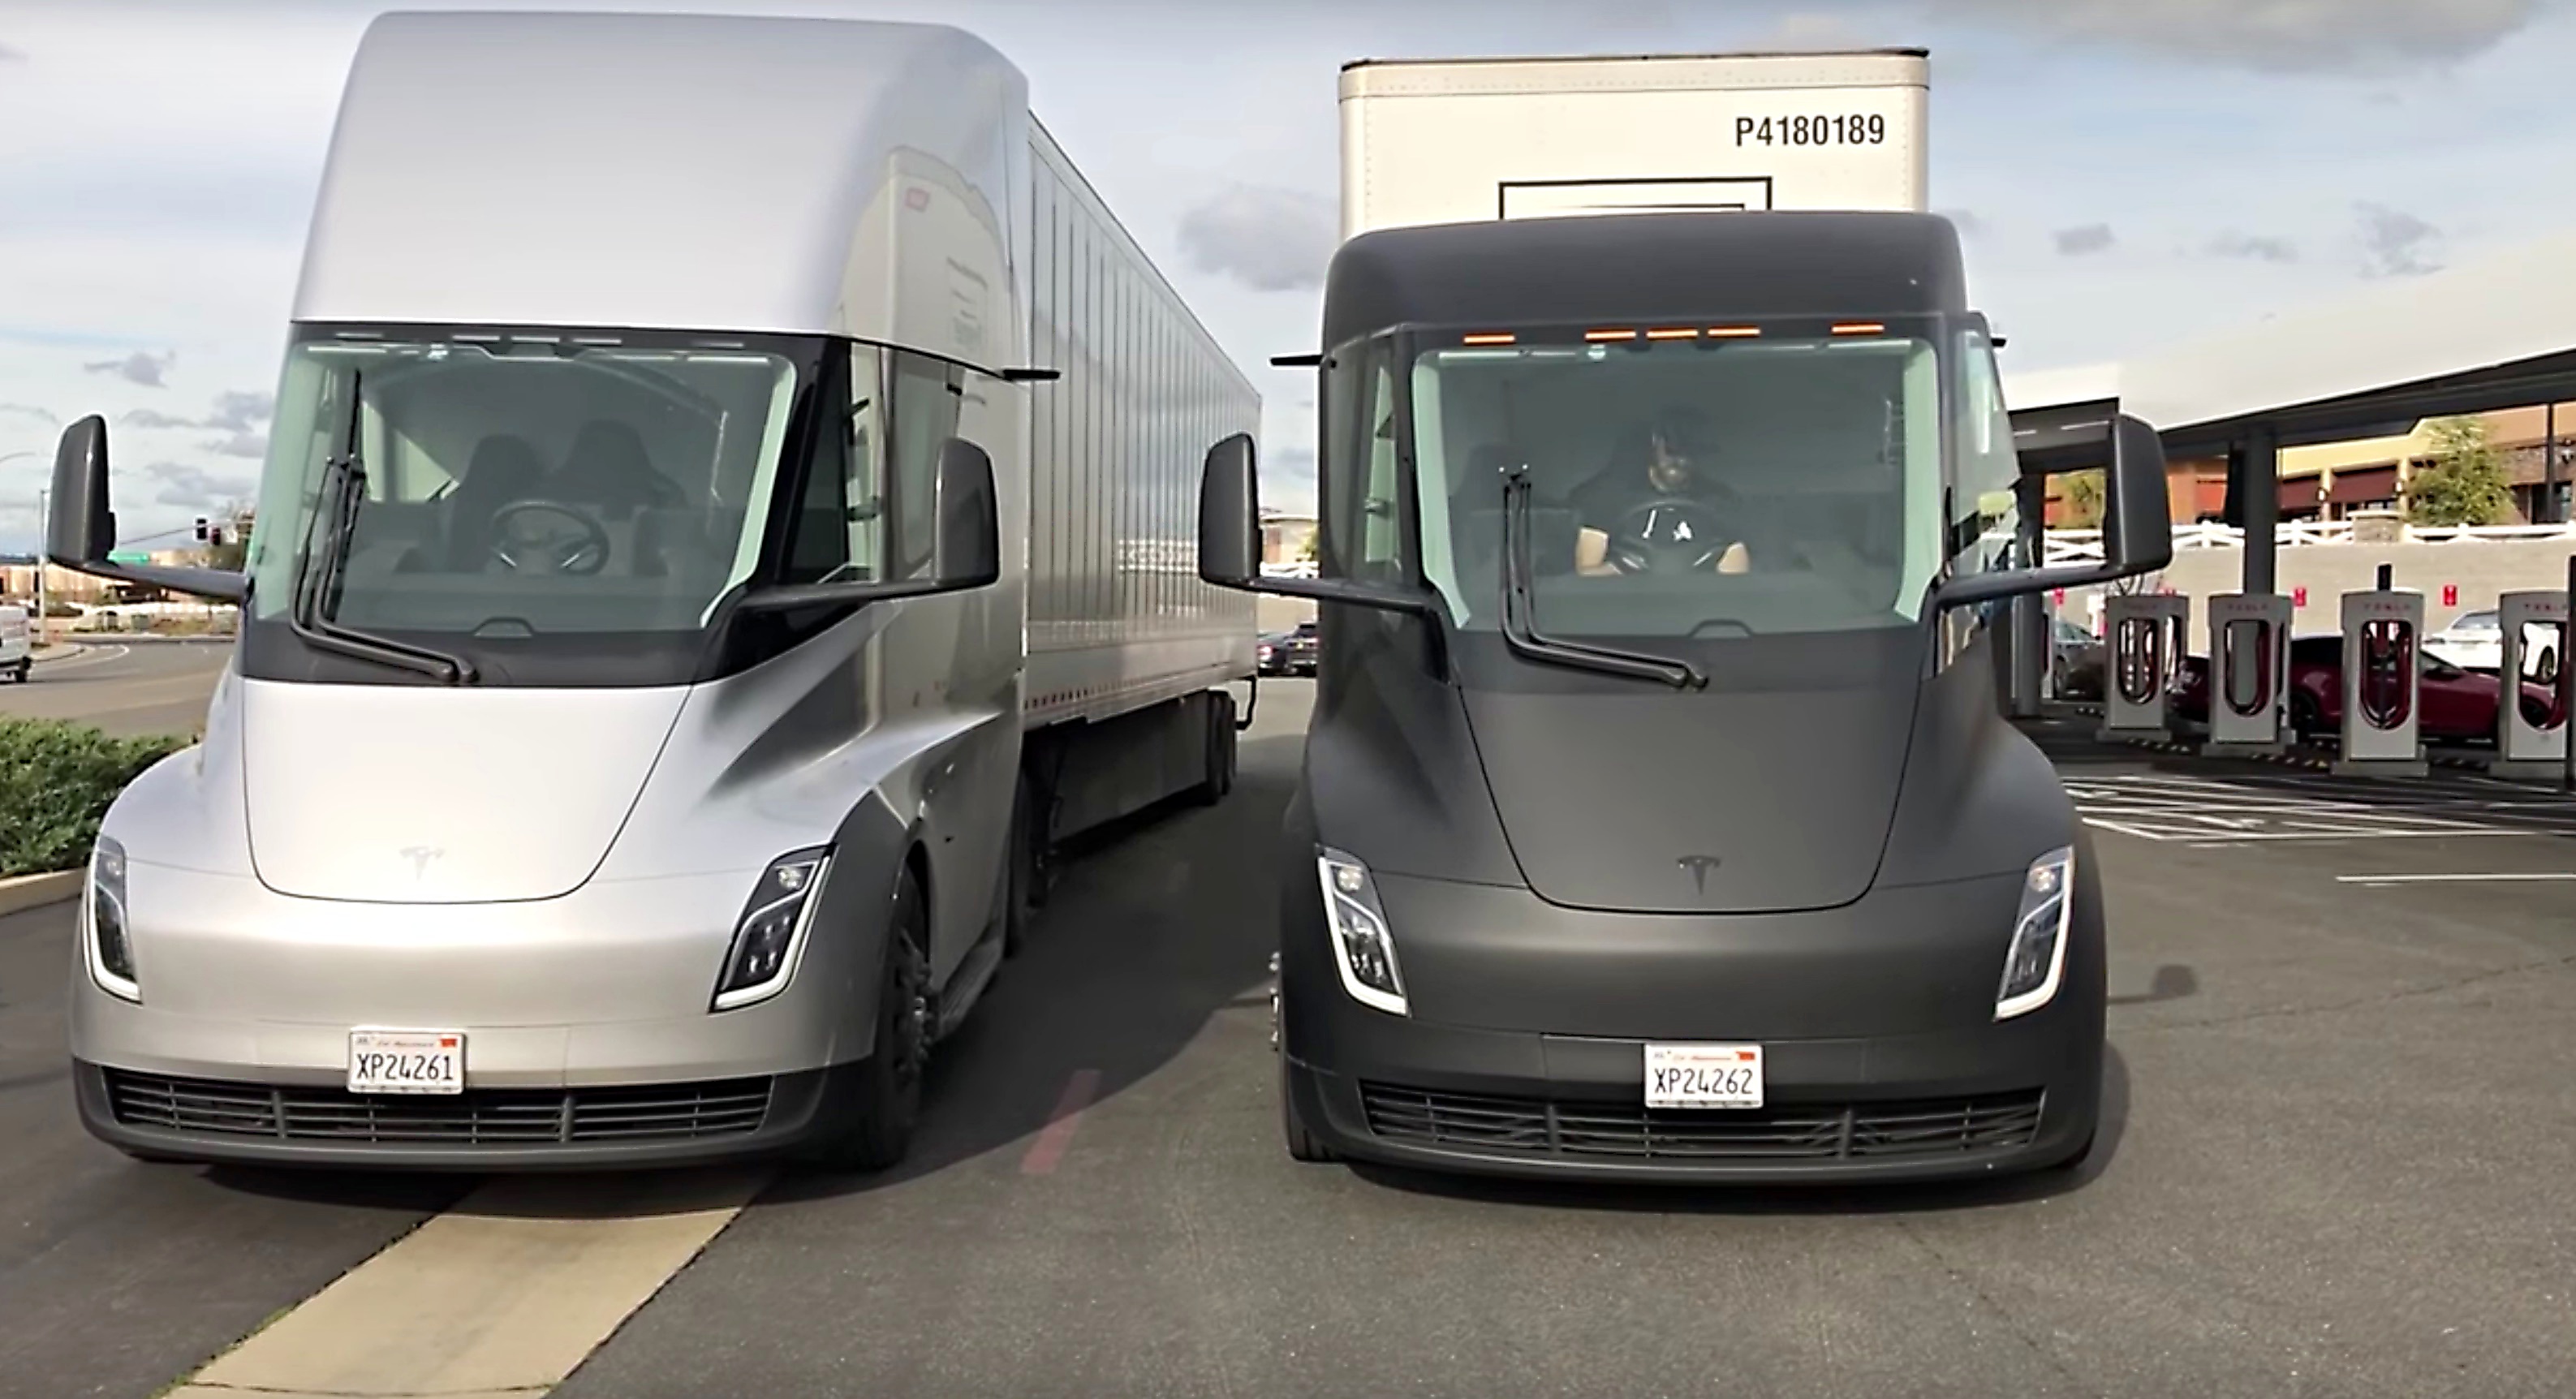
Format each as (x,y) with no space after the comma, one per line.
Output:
(1117,616)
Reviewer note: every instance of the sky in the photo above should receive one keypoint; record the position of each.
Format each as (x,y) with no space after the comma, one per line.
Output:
(2125,173)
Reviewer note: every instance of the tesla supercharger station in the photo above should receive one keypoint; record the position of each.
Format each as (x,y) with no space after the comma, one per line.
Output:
(2535,645)
(2249,649)
(2142,652)
(2381,689)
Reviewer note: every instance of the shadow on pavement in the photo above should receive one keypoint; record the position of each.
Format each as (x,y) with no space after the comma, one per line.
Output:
(1156,924)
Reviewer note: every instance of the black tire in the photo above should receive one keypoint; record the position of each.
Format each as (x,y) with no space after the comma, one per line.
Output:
(1303,1145)
(1220,757)
(2305,724)
(877,1130)
(1020,877)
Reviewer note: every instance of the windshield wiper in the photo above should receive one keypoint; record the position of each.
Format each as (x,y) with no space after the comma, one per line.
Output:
(1525,640)
(335,514)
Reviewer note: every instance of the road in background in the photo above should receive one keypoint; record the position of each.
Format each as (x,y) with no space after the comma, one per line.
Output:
(128,688)
(2333,1162)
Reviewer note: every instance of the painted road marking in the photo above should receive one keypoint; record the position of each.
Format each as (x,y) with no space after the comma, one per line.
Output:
(1049,1148)
(505,1294)
(2200,810)
(2454,878)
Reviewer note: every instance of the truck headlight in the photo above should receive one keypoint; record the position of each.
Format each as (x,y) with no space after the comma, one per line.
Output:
(1363,951)
(2037,958)
(106,943)
(770,934)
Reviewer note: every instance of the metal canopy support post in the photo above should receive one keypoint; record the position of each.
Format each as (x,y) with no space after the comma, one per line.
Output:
(2031,641)
(2261,459)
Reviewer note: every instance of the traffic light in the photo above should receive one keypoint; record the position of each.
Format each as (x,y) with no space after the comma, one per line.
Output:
(215,536)
(201,529)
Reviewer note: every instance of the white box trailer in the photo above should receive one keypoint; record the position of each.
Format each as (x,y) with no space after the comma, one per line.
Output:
(1455,140)
(729,506)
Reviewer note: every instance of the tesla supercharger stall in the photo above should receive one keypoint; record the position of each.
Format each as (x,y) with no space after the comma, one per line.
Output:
(2249,651)
(2382,693)
(2142,652)
(2535,645)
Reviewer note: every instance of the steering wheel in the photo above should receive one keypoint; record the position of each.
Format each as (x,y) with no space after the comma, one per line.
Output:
(1668,534)
(584,555)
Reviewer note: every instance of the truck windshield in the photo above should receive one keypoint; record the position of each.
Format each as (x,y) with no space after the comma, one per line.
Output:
(1699,483)
(523,490)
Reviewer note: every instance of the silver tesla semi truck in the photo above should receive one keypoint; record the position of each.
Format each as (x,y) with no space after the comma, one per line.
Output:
(729,513)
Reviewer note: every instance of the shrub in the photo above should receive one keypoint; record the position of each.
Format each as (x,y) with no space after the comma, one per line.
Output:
(56,780)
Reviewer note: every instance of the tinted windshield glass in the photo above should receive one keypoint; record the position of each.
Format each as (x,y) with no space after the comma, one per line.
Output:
(531,487)
(1776,479)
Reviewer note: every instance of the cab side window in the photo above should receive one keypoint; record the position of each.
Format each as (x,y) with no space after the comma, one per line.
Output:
(925,401)
(1363,525)
(1985,507)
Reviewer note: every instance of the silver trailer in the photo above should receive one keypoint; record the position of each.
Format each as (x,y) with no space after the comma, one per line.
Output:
(730,511)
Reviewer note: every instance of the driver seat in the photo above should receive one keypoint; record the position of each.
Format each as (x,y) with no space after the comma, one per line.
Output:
(503,468)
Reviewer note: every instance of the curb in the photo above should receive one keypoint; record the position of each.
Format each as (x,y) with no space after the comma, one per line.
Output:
(21,892)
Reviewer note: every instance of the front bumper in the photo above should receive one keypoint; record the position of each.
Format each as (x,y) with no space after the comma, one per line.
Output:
(588,1037)
(1882,1060)
(482,1129)
(1901,1108)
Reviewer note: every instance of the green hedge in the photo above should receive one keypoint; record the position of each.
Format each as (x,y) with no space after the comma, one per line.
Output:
(56,780)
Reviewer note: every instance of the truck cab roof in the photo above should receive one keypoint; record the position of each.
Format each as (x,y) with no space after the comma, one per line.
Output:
(1664,267)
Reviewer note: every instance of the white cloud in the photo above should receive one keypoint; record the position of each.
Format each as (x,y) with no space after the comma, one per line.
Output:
(2248,245)
(2308,36)
(137,368)
(2089,239)
(1267,238)
(2395,242)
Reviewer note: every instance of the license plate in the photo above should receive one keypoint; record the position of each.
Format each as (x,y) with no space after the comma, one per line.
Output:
(1703,1075)
(406,1061)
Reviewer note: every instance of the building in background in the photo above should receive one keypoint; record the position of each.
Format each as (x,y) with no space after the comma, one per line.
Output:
(2332,480)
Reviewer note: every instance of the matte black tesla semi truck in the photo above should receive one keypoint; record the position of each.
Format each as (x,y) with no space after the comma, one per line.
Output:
(1658,817)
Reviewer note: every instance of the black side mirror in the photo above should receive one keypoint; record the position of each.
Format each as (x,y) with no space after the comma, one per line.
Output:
(969,547)
(1229,515)
(2137,515)
(82,532)
(83,529)
(2137,528)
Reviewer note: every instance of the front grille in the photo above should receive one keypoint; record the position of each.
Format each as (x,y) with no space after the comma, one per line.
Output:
(476,1117)
(1788,1132)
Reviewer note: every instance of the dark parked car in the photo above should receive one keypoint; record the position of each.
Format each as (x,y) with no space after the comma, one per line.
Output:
(2075,663)
(1272,654)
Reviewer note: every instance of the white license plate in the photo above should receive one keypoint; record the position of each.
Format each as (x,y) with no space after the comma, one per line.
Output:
(406,1061)
(1703,1075)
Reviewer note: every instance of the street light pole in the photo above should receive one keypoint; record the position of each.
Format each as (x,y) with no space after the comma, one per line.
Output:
(43,522)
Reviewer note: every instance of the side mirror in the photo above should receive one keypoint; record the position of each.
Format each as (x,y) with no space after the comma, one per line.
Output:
(968,551)
(1229,515)
(2137,528)
(83,530)
(82,533)
(2137,514)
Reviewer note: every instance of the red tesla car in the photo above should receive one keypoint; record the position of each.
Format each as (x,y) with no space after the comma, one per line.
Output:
(2454,704)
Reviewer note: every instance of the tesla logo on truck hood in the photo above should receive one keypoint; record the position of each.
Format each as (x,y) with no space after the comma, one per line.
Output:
(1699,867)
(420,856)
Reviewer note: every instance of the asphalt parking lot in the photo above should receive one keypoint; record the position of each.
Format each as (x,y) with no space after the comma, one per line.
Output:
(2335,1162)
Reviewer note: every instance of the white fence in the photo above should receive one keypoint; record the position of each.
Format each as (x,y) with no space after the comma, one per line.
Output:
(2072,546)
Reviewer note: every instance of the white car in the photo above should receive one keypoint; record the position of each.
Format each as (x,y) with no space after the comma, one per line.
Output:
(2473,641)
(17,646)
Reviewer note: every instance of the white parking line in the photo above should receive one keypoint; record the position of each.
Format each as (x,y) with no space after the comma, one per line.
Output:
(2454,878)
(505,1294)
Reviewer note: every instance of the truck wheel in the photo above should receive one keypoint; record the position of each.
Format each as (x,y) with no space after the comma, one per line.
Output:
(878,1129)
(1020,879)
(1302,1144)
(1220,752)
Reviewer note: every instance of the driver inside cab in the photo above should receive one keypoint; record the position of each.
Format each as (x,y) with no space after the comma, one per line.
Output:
(1660,497)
